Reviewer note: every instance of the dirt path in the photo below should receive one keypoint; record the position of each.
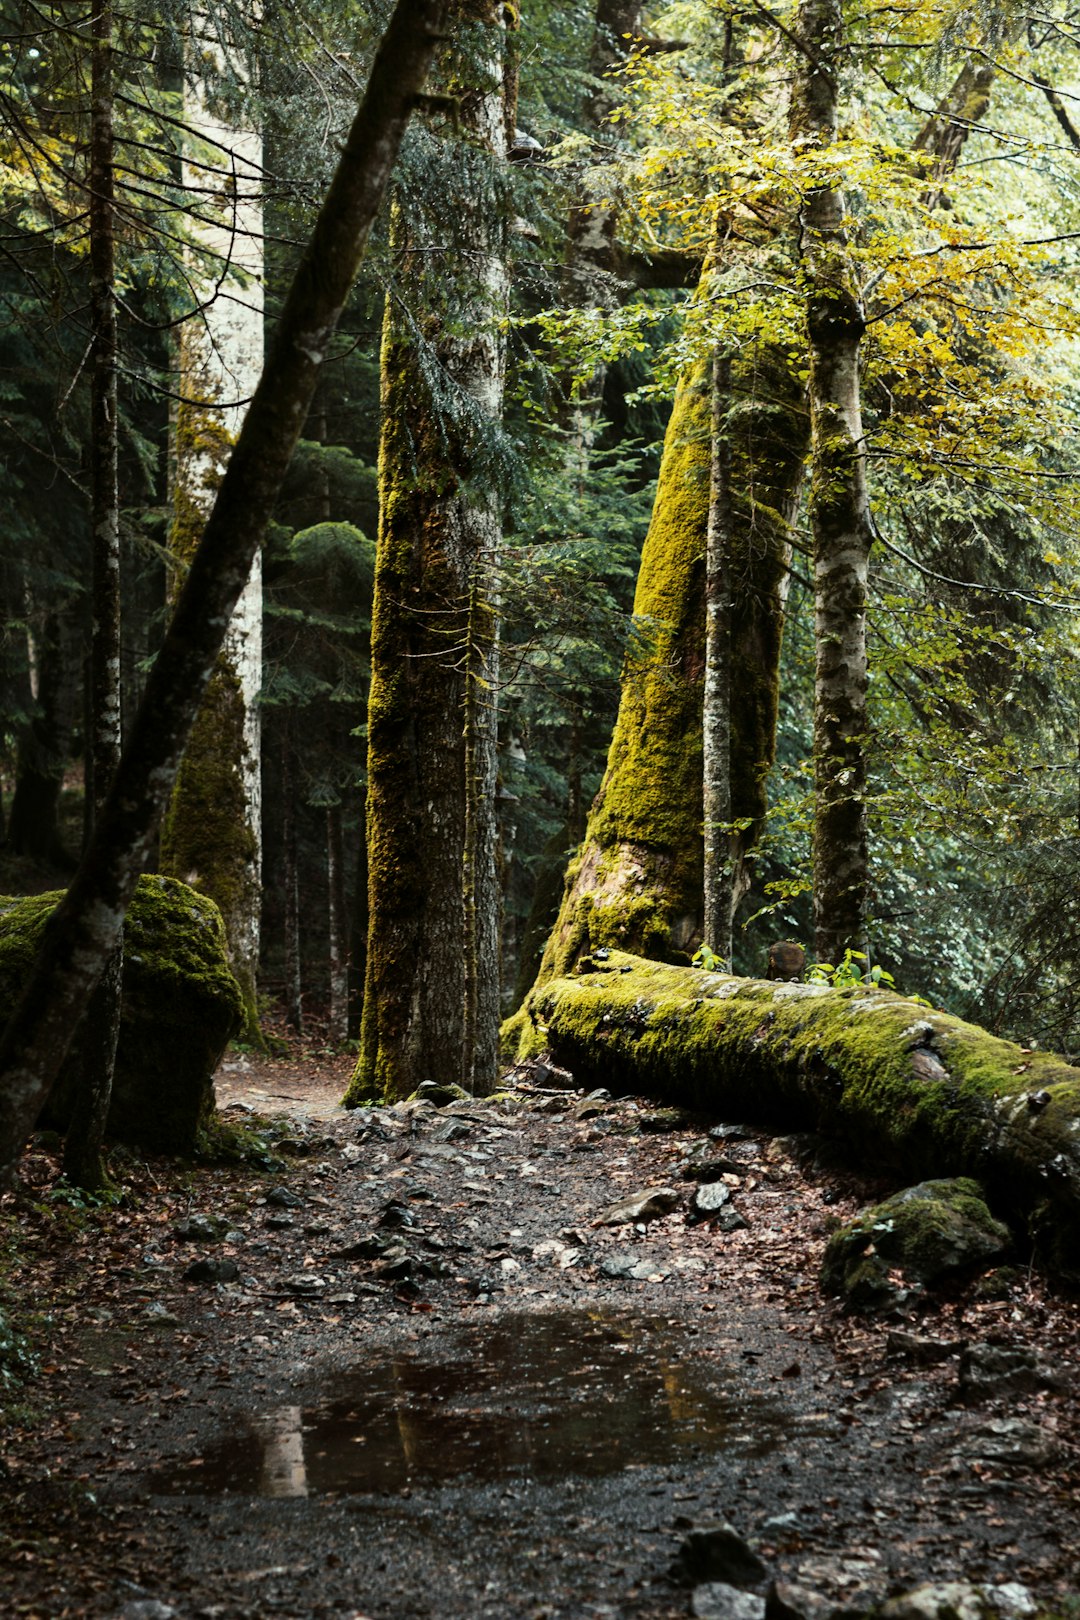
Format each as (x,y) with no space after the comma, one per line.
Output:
(435,1387)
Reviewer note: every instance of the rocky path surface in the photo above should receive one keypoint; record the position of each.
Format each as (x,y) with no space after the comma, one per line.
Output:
(490,1360)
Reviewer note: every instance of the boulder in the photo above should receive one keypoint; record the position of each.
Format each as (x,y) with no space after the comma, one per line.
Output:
(918,1237)
(180,1005)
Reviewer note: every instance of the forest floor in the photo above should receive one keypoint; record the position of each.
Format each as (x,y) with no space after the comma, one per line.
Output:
(426,1383)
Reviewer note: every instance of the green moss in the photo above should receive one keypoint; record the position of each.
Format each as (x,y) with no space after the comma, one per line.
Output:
(180,1006)
(924,1092)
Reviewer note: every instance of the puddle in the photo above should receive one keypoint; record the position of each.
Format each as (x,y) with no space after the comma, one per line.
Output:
(540,1396)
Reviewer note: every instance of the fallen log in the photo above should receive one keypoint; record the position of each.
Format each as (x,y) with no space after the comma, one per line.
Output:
(905,1086)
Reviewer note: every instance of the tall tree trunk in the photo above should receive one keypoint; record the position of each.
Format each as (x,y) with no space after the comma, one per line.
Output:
(839,510)
(43,743)
(433,703)
(719,885)
(337,914)
(83,1164)
(294,1000)
(212,836)
(85,928)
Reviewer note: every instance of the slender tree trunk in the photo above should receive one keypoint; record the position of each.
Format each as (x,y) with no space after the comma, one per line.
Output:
(83,1164)
(339,928)
(839,511)
(44,738)
(85,928)
(432,712)
(719,903)
(294,998)
(212,836)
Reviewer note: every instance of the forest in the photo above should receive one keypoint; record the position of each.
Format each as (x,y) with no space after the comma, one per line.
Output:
(540,554)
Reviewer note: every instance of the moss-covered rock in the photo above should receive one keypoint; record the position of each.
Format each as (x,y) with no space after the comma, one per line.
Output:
(920,1236)
(904,1085)
(180,1006)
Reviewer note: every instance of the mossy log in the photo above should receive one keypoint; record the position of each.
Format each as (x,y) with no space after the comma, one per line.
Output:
(904,1085)
(179,1007)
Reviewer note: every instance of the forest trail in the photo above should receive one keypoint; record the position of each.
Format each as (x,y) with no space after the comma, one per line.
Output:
(428,1384)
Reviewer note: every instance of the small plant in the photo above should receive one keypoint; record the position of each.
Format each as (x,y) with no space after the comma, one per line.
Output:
(66,1195)
(706,959)
(849,973)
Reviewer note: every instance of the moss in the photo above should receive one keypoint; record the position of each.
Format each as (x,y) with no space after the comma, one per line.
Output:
(180,1006)
(924,1092)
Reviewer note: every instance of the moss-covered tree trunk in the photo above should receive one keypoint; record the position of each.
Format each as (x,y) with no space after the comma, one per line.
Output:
(212,835)
(432,710)
(638,879)
(87,925)
(905,1086)
(839,509)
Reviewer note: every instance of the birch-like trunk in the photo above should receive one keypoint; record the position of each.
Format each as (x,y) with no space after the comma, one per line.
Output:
(431,987)
(212,837)
(839,511)
(338,930)
(83,1165)
(86,927)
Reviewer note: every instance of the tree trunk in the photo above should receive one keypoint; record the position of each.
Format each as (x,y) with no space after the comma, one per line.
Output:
(83,1164)
(337,912)
(86,926)
(44,738)
(719,886)
(839,509)
(294,996)
(212,835)
(433,703)
(905,1086)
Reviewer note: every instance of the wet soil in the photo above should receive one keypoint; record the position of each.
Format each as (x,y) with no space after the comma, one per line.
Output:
(435,1387)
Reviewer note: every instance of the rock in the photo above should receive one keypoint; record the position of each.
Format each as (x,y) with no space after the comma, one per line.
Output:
(148,1609)
(960,1600)
(212,1271)
(924,1234)
(662,1121)
(304,1282)
(994,1369)
(709,1198)
(279,1223)
(1010,1443)
(180,1006)
(439,1095)
(718,1601)
(704,1163)
(922,1350)
(649,1205)
(396,1214)
(729,1220)
(284,1198)
(372,1247)
(197,1229)
(717,1553)
(159,1315)
(731,1133)
(455,1130)
(617,1265)
(786,1601)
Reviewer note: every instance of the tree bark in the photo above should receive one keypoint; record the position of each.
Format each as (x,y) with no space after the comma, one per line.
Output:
(906,1087)
(212,834)
(44,738)
(294,997)
(433,704)
(83,1165)
(839,508)
(87,925)
(719,886)
(337,917)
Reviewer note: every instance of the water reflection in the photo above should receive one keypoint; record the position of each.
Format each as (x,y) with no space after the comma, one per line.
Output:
(537,1395)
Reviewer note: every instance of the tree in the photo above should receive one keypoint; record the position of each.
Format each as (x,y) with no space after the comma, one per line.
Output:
(431,990)
(212,834)
(86,926)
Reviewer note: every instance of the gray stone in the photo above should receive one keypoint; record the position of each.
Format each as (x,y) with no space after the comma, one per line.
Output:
(212,1271)
(304,1282)
(197,1229)
(440,1095)
(148,1609)
(1011,1443)
(662,1121)
(709,1198)
(993,1369)
(284,1198)
(729,1220)
(718,1601)
(279,1223)
(159,1315)
(643,1206)
(925,1234)
(922,1350)
(960,1600)
(717,1553)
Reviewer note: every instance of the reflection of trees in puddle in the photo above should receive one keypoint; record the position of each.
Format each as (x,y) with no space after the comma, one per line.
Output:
(540,1397)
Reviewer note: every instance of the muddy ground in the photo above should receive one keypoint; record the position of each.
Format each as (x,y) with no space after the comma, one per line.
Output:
(435,1387)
